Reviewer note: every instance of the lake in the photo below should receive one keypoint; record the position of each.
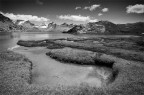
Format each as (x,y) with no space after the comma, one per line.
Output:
(10,40)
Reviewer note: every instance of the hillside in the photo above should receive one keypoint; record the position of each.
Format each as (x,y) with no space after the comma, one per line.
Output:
(6,24)
(106,27)
(59,28)
(132,28)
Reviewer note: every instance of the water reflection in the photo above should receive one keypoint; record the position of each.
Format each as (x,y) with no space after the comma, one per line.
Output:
(10,40)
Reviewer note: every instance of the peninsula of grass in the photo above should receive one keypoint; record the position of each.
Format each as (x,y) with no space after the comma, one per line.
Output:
(81,57)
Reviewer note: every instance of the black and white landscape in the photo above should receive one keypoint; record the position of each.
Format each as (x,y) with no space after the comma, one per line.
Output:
(71,47)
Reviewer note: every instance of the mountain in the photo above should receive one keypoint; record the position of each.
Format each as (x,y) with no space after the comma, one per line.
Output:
(132,28)
(28,24)
(6,24)
(100,27)
(52,26)
(59,28)
(106,27)
(19,22)
(92,28)
(110,28)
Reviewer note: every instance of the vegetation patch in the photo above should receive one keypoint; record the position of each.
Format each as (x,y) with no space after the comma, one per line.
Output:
(127,51)
(81,57)
(130,48)
(15,73)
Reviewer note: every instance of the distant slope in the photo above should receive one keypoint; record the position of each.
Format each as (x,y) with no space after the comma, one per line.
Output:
(106,27)
(27,26)
(132,28)
(59,28)
(101,27)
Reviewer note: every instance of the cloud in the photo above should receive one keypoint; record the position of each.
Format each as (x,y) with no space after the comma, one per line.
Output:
(78,8)
(77,18)
(100,14)
(93,20)
(105,10)
(138,8)
(92,7)
(25,17)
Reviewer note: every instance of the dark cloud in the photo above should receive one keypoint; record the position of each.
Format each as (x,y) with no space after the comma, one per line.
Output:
(39,2)
(67,8)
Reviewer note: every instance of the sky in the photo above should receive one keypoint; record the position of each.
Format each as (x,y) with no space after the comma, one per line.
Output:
(74,11)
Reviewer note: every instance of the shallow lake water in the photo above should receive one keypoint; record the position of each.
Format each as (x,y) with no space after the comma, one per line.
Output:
(47,71)
(10,40)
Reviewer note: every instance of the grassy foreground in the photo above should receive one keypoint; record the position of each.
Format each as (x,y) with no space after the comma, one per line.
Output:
(15,79)
(15,73)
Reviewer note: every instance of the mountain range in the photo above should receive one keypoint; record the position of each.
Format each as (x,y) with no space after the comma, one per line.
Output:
(100,27)
(106,27)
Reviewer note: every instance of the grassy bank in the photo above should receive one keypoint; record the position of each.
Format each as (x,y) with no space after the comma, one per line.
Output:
(15,73)
(81,57)
(121,47)
(129,48)
(43,43)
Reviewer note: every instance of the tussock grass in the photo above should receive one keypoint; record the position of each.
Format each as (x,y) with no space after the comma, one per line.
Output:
(122,53)
(15,73)
(81,57)
(127,48)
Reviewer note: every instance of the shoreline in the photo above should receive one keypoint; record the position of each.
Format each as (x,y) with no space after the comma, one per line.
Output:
(63,70)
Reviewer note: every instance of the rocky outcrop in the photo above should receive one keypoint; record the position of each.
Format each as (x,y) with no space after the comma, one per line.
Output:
(6,24)
(88,28)
(59,28)
(52,25)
